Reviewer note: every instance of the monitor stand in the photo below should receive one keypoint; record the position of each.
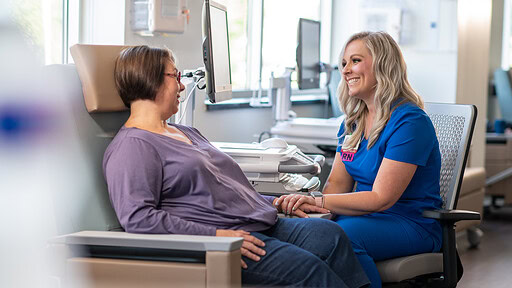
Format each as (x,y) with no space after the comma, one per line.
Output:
(280,91)
(306,132)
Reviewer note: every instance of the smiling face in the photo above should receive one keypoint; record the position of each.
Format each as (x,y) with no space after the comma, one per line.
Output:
(169,93)
(358,71)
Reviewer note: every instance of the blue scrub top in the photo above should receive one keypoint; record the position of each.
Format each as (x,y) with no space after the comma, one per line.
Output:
(409,136)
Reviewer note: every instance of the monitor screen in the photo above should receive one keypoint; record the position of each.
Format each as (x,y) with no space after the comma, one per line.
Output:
(308,54)
(216,52)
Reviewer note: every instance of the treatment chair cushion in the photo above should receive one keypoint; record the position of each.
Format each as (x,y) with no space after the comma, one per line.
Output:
(95,65)
(408,267)
(474,179)
(471,195)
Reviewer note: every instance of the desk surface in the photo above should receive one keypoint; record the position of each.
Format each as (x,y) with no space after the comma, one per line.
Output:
(498,137)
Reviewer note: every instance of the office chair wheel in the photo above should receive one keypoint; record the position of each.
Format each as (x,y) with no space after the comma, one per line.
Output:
(474,236)
(487,210)
(497,201)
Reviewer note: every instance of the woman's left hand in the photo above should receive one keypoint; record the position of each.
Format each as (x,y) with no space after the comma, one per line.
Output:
(298,205)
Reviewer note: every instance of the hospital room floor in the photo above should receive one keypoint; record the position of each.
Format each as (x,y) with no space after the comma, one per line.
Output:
(490,264)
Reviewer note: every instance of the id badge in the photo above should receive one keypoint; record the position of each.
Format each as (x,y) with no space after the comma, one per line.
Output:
(347,152)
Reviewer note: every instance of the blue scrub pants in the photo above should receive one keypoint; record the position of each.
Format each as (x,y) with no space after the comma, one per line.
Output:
(380,236)
(304,253)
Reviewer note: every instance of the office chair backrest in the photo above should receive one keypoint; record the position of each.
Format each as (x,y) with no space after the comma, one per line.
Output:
(454,124)
(97,113)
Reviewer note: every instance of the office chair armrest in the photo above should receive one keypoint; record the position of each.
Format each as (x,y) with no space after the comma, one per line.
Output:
(451,215)
(452,266)
(150,241)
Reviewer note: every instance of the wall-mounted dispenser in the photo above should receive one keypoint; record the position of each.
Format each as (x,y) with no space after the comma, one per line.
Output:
(159,16)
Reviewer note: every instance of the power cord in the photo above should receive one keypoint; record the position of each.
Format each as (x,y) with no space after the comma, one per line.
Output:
(202,87)
(187,100)
(200,73)
(263,134)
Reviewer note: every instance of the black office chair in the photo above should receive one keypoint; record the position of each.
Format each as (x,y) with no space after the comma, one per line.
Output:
(454,126)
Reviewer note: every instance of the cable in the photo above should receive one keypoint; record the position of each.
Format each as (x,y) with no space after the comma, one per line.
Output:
(186,104)
(264,133)
(199,72)
(204,86)
(187,75)
(187,100)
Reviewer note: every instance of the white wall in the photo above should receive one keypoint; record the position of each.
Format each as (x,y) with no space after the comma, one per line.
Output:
(430,53)
(101,22)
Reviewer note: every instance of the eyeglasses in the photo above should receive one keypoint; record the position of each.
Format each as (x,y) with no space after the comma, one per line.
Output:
(177,76)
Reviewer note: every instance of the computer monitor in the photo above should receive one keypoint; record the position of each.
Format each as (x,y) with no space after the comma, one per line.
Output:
(308,54)
(216,52)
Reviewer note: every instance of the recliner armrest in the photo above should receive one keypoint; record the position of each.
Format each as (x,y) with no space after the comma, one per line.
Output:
(152,241)
(451,215)
(106,258)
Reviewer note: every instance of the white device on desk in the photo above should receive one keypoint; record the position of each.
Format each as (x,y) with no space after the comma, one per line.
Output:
(273,167)
(316,131)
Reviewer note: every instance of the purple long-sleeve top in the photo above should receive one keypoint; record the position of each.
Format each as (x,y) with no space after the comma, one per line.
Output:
(158,184)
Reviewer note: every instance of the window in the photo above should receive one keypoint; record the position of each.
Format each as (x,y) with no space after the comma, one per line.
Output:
(237,22)
(507,36)
(42,24)
(53,26)
(280,34)
(50,26)
(263,37)
(93,22)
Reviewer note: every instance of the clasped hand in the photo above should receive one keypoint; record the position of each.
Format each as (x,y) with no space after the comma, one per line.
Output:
(298,205)
(292,204)
(250,247)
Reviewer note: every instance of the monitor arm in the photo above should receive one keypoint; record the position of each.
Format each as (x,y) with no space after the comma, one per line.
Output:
(327,68)
(280,91)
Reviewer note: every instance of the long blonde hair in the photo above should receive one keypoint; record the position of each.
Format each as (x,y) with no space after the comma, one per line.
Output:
(391,74)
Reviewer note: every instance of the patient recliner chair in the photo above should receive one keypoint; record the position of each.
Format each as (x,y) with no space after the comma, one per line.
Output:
(92,250)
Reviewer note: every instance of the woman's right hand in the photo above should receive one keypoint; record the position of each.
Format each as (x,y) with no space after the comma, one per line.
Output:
(250,247)
(298,205)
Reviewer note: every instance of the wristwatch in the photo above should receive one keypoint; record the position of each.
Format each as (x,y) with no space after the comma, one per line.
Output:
(319,198)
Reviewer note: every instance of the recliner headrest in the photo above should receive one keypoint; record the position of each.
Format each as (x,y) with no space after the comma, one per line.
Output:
(95,66)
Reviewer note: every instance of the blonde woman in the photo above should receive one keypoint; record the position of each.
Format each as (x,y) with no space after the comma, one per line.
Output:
(387,165)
